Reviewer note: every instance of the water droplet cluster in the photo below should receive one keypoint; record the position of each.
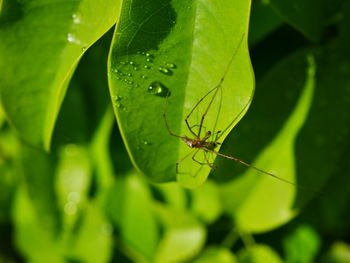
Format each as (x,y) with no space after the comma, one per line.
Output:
(130,72)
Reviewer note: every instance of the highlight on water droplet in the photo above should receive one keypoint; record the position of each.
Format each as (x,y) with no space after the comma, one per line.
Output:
(129,74)
(158,89)
(76,18)
(131,62)
(71,38)
(149,60)
(165,71)
(136,68)
(144,76)
(170,65)
(147,67)
(146,142)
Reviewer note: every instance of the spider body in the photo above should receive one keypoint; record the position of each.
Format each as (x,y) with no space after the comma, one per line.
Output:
(199,143)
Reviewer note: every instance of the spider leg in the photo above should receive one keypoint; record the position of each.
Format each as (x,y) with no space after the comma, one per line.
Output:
(194,158)
(183,158)
(166,121)
(211,165)
(216,88)
(196,125)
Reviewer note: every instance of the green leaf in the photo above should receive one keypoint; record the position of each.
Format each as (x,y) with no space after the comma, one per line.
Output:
(216,254)
(41,44)
(302,245)
(181,49)
(302,150)
(183,235)
(263,21)
(38,174)
(92,242)
(309,17)
(206,202)
(72,182)
(33,238)
(259,254)
(130,207)
(246,196)
(339,253)
(306,16)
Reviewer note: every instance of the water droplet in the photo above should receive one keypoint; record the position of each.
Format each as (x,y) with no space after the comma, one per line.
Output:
(125,109)
(165,71)
(144,76)
(136,68)
(129,74)
(130,82)
(122,62)
(131,62)
(170,65)
(146,142)
(118,98)
(146,67)
(71,38)
(76,18)
(136,85)
(149,60)
(83,49)
(116,70)
(148,55)
(118,105)
(158,89)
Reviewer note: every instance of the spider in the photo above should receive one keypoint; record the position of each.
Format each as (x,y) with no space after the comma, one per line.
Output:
(205,143)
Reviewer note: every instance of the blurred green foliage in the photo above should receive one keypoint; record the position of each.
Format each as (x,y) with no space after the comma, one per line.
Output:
(84,201)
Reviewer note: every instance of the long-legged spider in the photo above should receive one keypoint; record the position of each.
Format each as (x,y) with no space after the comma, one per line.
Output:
(205,142)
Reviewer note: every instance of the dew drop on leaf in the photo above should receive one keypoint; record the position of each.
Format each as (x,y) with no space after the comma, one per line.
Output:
(76,18)
(158,89)
(170,65)
(165,71)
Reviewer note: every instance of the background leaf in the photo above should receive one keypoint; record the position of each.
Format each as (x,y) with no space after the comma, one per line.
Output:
(42,42)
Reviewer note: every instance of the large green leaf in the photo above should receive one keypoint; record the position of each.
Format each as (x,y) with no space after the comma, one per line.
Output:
(294,142)
(181,49)
(309,17)
(41,43)
(246,196)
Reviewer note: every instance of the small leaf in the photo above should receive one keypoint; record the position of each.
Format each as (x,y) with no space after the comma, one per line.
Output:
(183,235)
(259,254)
(217,255)
(302,245)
